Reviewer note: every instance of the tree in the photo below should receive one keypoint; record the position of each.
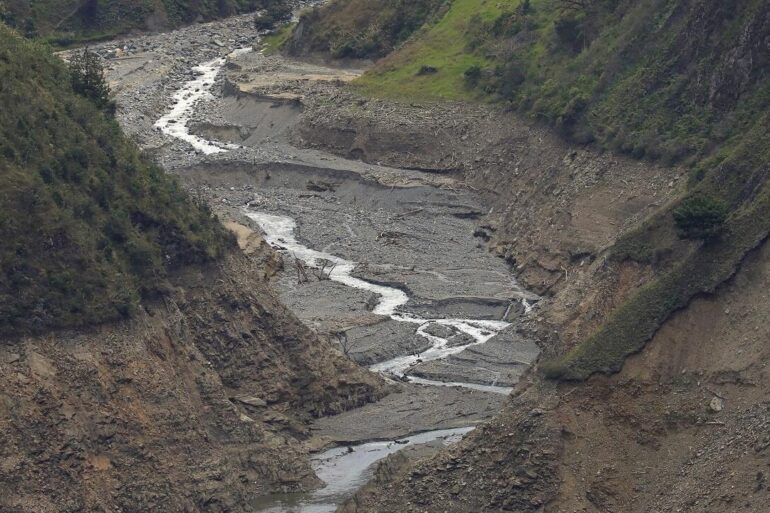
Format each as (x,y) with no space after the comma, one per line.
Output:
(700,217)
(87,75)
(346,345)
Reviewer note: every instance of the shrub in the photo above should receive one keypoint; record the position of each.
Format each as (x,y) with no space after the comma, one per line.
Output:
(87,75)
(700,217)
(472,75)
(427,70)
(570,33)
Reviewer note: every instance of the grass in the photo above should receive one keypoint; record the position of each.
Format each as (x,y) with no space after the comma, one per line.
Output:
(272,43)
(89,227)
(443,46)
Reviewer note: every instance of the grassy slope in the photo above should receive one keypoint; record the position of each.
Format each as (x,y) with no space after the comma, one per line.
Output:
(661,79)
(88,226)
(272,43)
(443,46)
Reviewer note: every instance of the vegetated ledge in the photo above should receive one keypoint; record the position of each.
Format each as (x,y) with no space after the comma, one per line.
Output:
(635,323)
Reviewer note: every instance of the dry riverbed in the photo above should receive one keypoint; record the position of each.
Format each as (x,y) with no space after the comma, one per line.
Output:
(384,261)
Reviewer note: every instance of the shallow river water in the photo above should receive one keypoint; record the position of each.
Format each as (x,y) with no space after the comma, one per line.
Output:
(279,231)
(345,469)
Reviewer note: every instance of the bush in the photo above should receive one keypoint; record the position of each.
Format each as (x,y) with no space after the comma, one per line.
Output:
(427,70)
(88,80)
(700,217)
(571,34)
(472,75)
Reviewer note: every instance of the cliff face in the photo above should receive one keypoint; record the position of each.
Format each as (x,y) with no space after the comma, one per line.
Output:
(197,404)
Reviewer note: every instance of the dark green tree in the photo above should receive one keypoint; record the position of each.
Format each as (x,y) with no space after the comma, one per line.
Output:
(700,217)
(87,75)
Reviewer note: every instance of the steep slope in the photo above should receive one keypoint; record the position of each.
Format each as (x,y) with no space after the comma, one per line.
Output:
(89,226)
(683,427)
(351,29)
(679,421)
(195,404)
(144,363)
(69,21)
(702,103)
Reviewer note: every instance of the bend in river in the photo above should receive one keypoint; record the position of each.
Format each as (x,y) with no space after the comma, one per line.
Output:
(279,231)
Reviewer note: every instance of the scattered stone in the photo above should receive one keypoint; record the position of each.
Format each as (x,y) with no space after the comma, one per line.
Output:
(12,358)
(251,401)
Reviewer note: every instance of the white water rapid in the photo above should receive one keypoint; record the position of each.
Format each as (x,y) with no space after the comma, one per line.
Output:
(174,122)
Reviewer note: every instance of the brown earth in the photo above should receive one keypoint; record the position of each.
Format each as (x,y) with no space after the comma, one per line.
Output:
(683,427)
(200,403)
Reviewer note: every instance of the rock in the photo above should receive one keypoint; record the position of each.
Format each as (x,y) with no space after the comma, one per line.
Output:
(716,405)
(439,330)
(372,302)
(12,358)
(251,401)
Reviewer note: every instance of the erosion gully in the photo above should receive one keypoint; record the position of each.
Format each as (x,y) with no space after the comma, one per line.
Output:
(390,263)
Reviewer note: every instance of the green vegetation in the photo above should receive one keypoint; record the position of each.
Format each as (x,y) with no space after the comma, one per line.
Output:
(675,81)
(87,77)
(649,78)
(273,42)
(700,217)
(271,14)
(89,227)
(442,45)
(66,22)
(361,29)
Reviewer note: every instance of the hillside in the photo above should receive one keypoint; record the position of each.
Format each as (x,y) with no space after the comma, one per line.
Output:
(90,227)
(602,132)
(145,365)
(351,29)
(702,103)
(69,21)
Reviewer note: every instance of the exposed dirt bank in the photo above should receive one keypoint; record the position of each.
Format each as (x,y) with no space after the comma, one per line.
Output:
(196,405)
(550,210)
(684,427)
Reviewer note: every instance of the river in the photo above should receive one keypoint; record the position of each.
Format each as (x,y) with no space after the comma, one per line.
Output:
(477,285)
